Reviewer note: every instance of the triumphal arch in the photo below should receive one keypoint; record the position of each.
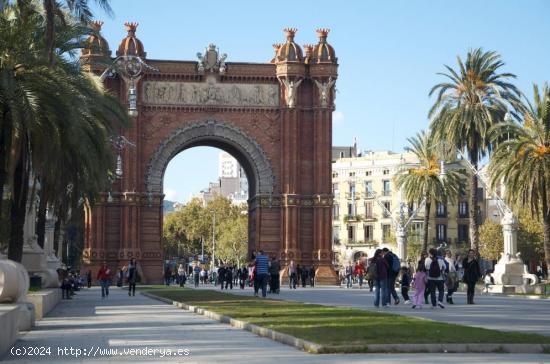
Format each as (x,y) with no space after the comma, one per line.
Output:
(275,118)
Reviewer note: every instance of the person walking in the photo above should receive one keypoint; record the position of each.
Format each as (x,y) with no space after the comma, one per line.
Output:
(221,275)
(419,283)
(104,276)
(228,276)
(89,278)
(132,275)
(312,276)
(292,275)
(436,268)
(452,277)
(262,270)
(182,278)
(380,279)
(349,275)
(358,272)
(167,275)
(304,274)
(274,270)
(196,275)
(472,273)
(394,267)
(405,284)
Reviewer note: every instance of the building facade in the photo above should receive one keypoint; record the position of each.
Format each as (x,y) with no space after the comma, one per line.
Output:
(365,199)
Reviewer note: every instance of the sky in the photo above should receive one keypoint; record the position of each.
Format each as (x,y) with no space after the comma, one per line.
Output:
(389,53)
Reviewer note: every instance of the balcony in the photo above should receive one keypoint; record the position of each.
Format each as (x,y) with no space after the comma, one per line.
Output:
(353,196)
(369,194)
(352,218)
(386,193)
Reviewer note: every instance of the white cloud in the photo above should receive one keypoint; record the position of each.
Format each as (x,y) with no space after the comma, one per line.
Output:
(171,195)
(337,117)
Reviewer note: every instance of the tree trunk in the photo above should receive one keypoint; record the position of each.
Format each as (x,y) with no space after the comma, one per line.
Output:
(546,225)
(5,147)
(18,209)
(474,228)
(41,218)
(50,30)
(426,225)
(56,243)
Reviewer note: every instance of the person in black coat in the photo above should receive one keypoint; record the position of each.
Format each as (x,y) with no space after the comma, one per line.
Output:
(472,273)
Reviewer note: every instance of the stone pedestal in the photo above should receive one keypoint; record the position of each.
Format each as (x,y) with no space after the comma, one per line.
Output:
(326,275)
(401,238)
(14,280)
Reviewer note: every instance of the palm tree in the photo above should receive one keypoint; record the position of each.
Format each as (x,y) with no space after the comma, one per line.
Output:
(523,162)
(424,181)
(56,119)
(475,98)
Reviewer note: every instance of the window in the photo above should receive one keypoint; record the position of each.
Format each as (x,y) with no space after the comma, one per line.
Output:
(335,190)
(462,233)
(387,210)
(336,234)
(480,194)
(335,175)
(368,210)
(368,232)
(368,173)
(386,171)
(368,188)
(441,210)
(387,187)
(386,232)
(351,234)
(352,190)
(336,211)
(441,230)
(342,154)
(351,209)
(463,209)
(352,174)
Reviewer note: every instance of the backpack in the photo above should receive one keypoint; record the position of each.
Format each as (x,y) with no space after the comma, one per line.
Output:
(395,264)
(435,269)
(372,271)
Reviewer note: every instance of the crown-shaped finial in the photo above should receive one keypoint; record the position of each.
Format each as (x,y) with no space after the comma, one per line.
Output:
(276,46)
(290,32)
(323,33)
(131,27)
(309,49)
(96,25)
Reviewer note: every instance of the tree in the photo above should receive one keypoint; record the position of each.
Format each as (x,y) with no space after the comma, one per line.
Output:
(423,181)
(475,98)
(523,161)
(56,120)
(491,240)
(233,240)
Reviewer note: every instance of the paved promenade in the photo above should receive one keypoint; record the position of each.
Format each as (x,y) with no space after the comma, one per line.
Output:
(494,312)
(93,326)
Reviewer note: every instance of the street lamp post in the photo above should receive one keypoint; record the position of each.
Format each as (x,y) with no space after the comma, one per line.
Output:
(213,239)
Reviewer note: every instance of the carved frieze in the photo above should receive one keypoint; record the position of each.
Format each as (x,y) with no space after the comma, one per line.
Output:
(211,93)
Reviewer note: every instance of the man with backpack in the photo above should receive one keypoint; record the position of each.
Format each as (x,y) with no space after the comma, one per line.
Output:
(394,266)
(436,267)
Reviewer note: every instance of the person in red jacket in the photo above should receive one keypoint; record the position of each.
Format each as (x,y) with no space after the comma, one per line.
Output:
(359,272)
(104,276)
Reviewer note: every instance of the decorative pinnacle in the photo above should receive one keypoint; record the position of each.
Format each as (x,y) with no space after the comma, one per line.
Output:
(276,46)
(290,32)
(131,27)
(323,33)
(96,25)
(309,49)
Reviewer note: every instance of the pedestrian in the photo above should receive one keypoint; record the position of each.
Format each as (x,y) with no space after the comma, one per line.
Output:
(167,275)
(182,278)
(488,280)
(262,270)
(348,274)
(471,274)
(196,274)
(423,256)
(292,275)
(120,277)
(419,283)
(228,277)
(405,284)
(104,276)
(380,277)
(89,278)
(394,266)
(274,270)
(221,275)
(435,266)
(358,272)
(311,276)
(243,275)
(452,277)
(304,274)
(133,277)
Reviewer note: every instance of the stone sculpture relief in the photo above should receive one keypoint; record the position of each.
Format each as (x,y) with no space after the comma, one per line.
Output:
(210,93)
(291,90)
(324,91)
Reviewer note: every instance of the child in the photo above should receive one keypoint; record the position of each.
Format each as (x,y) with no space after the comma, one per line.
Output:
(419,283)
(405,283)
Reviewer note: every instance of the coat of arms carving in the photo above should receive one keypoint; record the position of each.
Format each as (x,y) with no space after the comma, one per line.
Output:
(211,61)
